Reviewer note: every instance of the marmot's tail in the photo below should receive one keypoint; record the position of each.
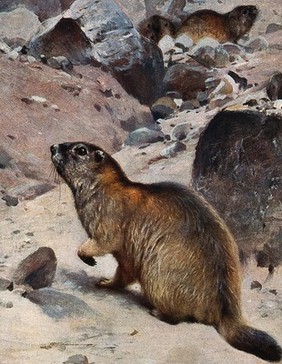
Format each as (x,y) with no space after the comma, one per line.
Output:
(253,341)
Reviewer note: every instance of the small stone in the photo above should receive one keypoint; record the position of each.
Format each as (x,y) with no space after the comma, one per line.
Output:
(210,53)
(166,43)
(190,105)
(37,270)
(273,291)
(273,27)
(31,59)
(5,284)
(274,87)
(10,200)
(4,48)
(180,131)
(143,136)
(256,285)
(172,150)
(184,42)
(38,99)
(13,55)
(77,359)
(8,304)
(256,44)
(278,104)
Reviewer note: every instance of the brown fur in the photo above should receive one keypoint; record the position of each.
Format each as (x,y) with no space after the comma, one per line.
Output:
(164,236)
(228,27)
(156,27)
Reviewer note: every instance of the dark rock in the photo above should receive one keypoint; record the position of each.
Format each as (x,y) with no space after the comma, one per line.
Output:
(271,28)
(242,81)
(10,200)
(58,305)
(238,169)
(274,86)
(190,105)
(163,108)
(256,285)
(5,284)
(143,136)
(185,79)
(77,359)
(100,33)
(37,270)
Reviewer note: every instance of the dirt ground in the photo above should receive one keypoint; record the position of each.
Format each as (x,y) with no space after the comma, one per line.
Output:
(117,326)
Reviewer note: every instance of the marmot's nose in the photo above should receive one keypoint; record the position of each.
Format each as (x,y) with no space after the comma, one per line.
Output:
(54,149)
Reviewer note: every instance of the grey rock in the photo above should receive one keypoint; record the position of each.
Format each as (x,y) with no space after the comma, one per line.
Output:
(4,48)
(18,26)
(181,131)
(13,55)
(29,190)
(173,149)
(100,33)
(58,305)
(273,27)
(10,200)
(189,105)
(143,136)
(210,53)
(77,359)
(37,270)
(256,44)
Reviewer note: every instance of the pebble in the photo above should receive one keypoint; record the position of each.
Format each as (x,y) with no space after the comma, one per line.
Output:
(180,131)
(144,135)
(5,284)
(172,150)
(77,359)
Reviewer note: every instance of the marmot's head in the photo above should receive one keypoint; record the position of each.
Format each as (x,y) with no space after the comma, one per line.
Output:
(242,19)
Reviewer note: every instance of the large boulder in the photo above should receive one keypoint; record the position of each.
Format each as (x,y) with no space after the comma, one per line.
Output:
(238,168)
(100,33)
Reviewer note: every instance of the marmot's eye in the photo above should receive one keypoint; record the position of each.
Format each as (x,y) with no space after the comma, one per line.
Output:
(81,151)
(245,12)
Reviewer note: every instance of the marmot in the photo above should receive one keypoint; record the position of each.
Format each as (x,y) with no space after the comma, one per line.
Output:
(165,237)
(228,27)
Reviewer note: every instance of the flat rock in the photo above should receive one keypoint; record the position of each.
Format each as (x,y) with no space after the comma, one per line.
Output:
(144,136)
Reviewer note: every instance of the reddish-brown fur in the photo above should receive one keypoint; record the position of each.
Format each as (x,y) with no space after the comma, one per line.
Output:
(228,27)
(164,236)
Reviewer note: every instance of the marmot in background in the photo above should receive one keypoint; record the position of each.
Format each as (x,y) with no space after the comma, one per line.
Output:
(156,27)
(165,237)
(228,27)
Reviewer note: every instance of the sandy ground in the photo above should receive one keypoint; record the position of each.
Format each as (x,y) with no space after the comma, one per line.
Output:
(118,327)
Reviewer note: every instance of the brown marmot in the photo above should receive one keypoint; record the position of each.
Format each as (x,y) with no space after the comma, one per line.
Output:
(228,27)
(167,238)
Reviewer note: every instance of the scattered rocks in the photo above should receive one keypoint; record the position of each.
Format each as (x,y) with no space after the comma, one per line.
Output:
(144,136)
(37,270)
(273,27)
(181,131)
(274,86)
(184,42)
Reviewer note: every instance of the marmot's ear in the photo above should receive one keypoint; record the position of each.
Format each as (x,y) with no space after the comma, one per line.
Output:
(99,155)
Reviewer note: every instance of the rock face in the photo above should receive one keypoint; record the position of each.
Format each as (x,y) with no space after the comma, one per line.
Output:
(100,33)
(238,169)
